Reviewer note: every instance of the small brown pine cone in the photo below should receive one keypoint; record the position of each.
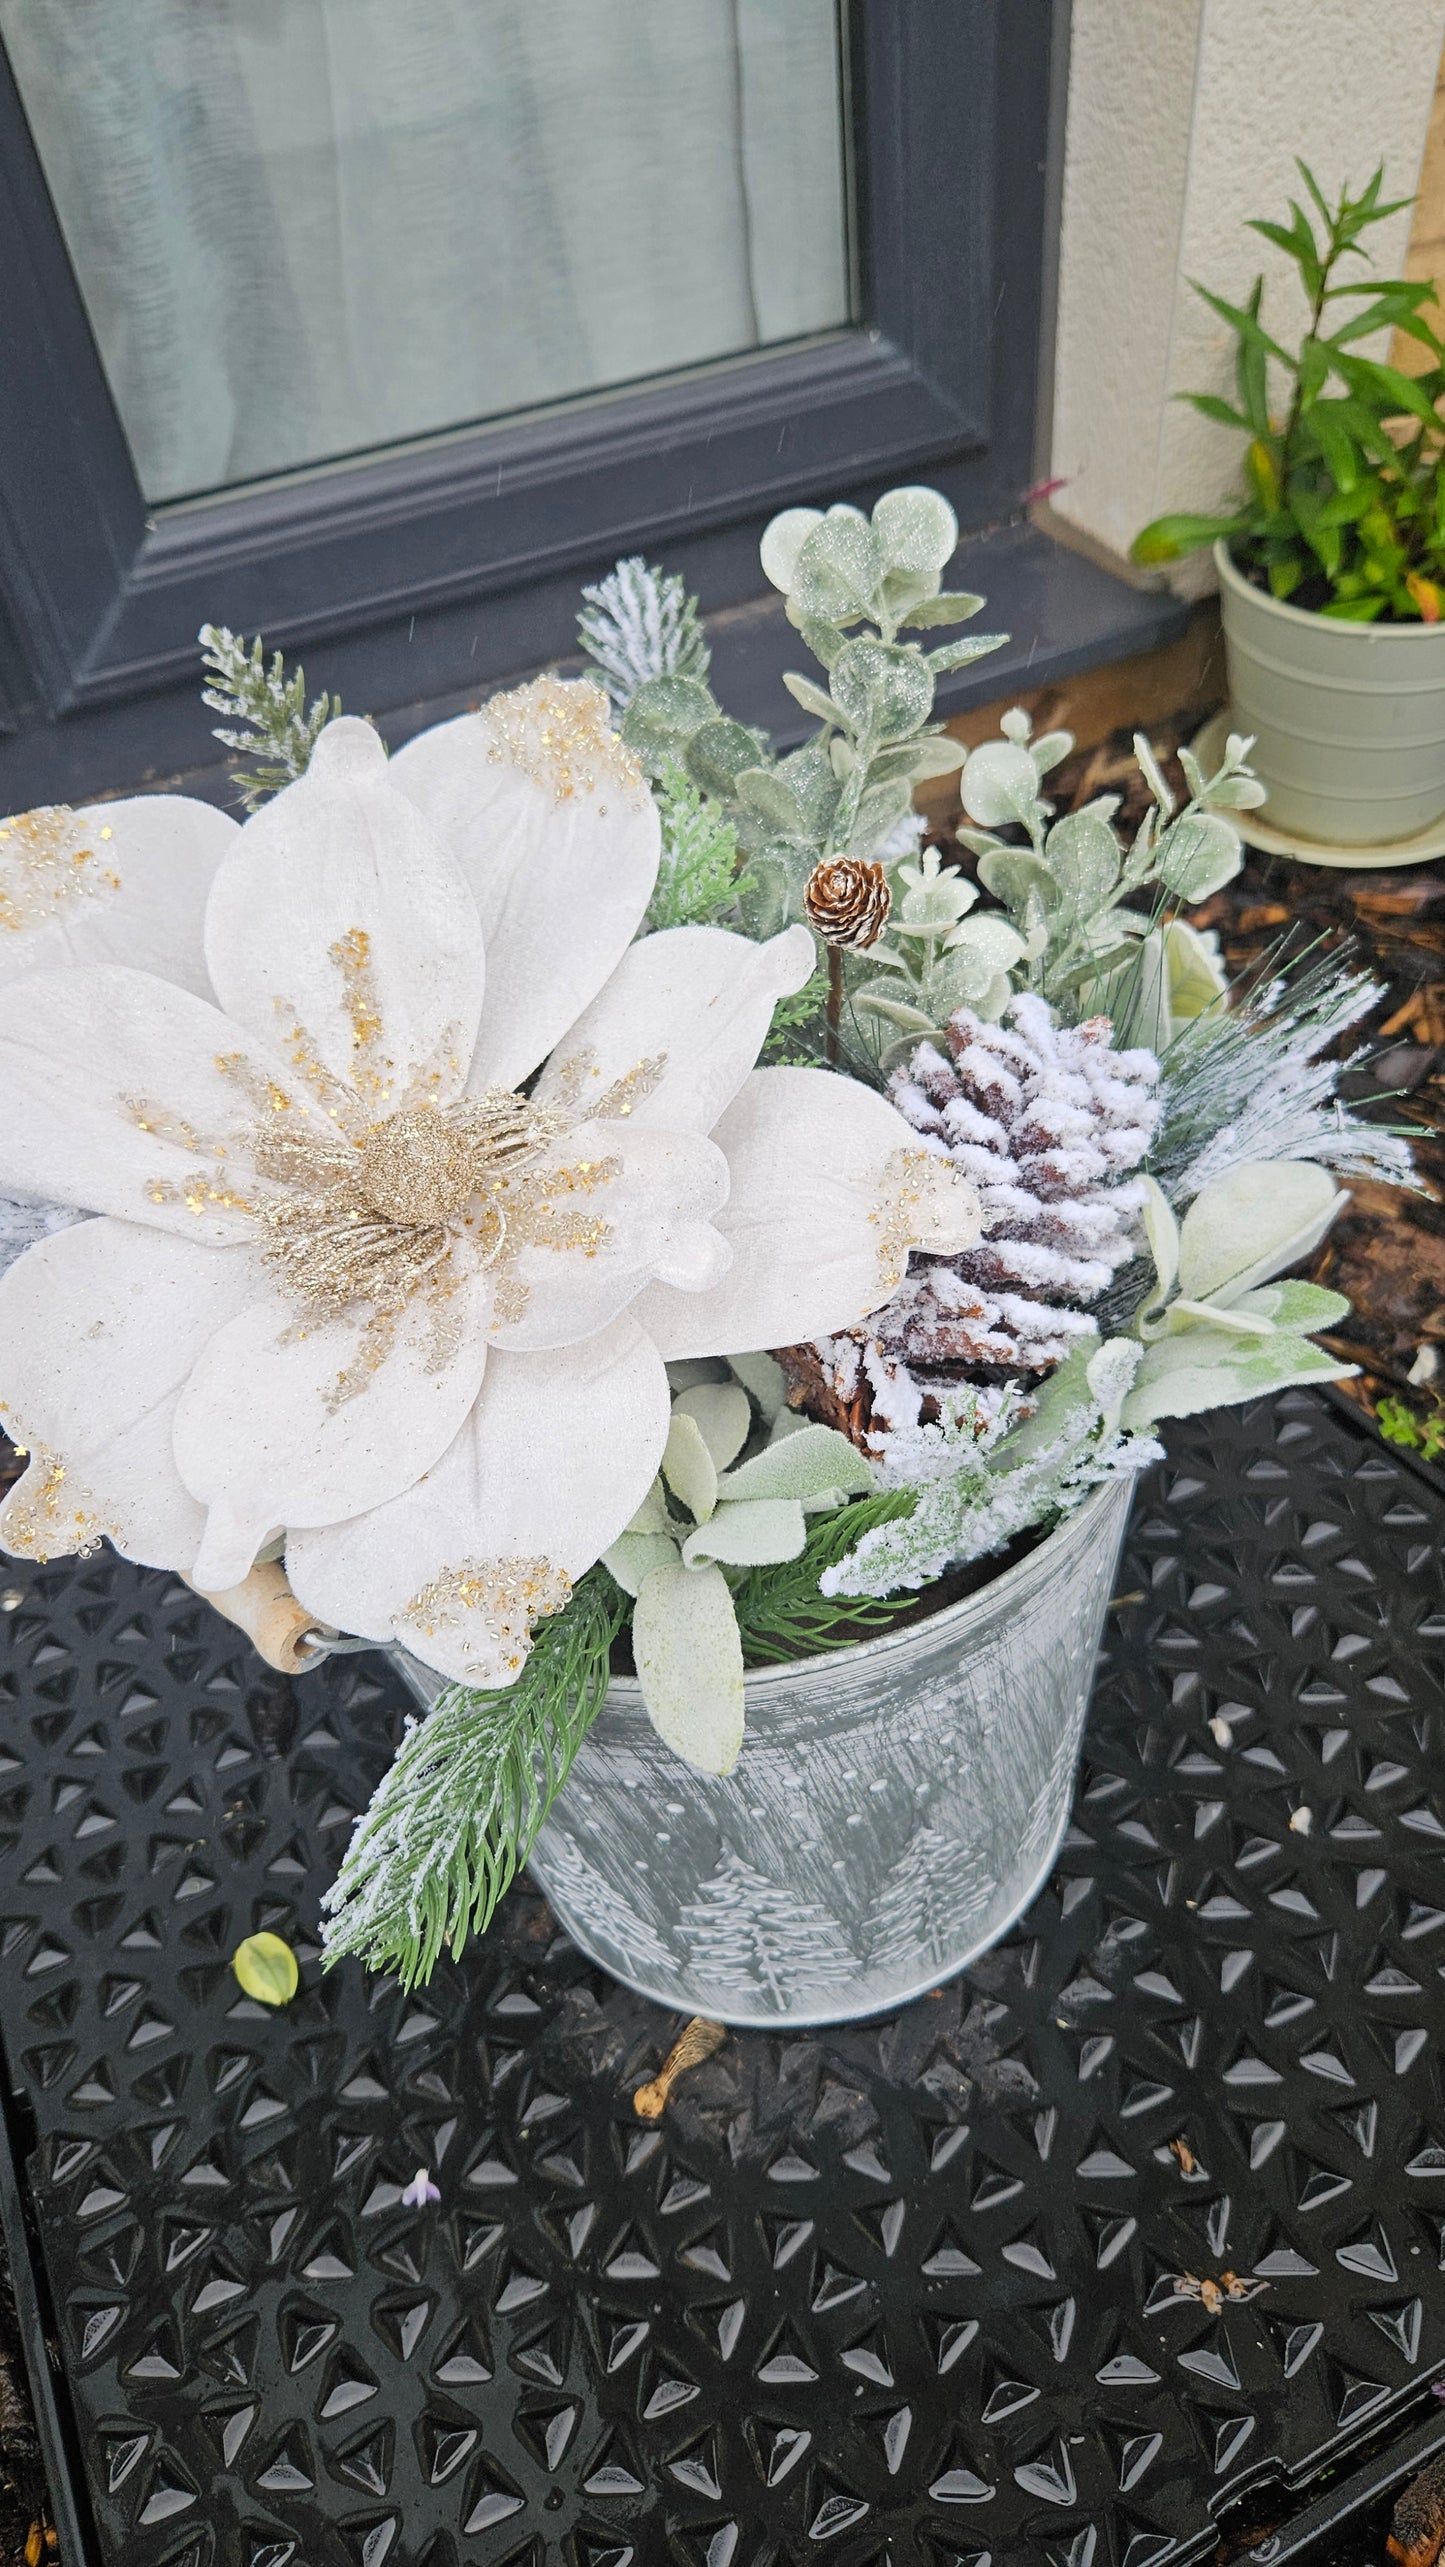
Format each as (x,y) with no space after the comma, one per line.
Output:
(848,902)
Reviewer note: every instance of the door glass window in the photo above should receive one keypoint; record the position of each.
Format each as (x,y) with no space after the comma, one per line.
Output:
(309,229)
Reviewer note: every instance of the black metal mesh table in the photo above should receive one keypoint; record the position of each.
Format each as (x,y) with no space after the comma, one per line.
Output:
(958,2286)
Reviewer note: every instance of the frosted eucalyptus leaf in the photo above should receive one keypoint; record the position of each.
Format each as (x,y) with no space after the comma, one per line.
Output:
(837,569)
(991,938)
(1050,749)
(961,654)
(1197,855)
(688,1466)
(1236,793)
(718,753)
(1015,875)
(689,1661)
(950,606)
(1083,856)
(783,540)
(663,715)
(937,757)
(1150,770)
(1249,1225)
(807,1466)
(1000,783)
(765,901)
(880,999)
(809,772)
(915,529)
(747,1535)
(767,794)
(634,1556)
(721,1413)
(824,640)
(811,697)
(884,691)
(879,810)
(902,590)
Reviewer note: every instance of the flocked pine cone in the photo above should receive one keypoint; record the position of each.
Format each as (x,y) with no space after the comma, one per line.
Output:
(848,902)
(1048,1122)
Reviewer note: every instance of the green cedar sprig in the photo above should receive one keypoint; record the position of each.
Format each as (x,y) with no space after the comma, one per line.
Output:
(271,706)
(452,1822)
(781,1612)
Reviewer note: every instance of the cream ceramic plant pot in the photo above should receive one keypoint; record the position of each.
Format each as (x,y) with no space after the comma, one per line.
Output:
(1348,719)
(896,1805)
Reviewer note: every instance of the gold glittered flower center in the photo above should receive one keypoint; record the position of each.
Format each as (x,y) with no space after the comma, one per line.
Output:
(416,1167)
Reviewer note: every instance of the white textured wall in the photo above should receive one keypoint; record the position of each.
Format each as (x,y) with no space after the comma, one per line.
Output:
(1184,119)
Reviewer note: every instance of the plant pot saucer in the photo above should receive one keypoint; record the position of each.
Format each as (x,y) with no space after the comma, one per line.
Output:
(1259,831)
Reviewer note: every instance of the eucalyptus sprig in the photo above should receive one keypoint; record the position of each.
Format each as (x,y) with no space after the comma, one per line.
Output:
(853,585)
(1343,509)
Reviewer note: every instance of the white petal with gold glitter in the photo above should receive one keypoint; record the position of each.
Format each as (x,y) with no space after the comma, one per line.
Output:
(829,1191)
(552,823)
(340,930)
(99,1328)
(609,1208)
(116,882)
(297,1421)
(677,1028)
(124,1094)
(553,1462)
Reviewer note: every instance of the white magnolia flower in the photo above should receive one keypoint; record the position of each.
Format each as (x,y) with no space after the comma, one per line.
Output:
(363,1281)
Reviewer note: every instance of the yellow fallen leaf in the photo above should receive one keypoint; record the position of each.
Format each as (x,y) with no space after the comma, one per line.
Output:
(266,1968)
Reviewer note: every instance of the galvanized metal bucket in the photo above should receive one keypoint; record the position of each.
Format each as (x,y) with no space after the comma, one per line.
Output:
(896,1805)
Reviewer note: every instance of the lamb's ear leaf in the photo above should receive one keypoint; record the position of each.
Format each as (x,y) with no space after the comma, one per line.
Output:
(755,1531)
(690,1664)
(1205,1368)
(801,1466)
(1251,1224)
(688,1466)
(1162,1232)
(721,1413)
(765,1378)
(634,1556)
(1299,1307)
(1064,1407)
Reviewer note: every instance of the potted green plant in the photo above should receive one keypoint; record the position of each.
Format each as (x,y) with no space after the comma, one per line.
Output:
(609,1216)
(1332,567)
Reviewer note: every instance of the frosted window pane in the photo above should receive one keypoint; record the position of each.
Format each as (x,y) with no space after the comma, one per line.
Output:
(309,228)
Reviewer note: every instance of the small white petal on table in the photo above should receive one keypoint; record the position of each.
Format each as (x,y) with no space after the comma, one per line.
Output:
(342,912)
(115,1095)
(561,878)
(139,898)
(552,1464)
(262,1439)
(697,999)
(100,1326)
